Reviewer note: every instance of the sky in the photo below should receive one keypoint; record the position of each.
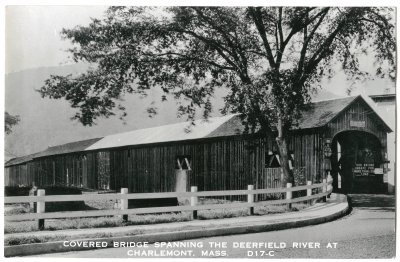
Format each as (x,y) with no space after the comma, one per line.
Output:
(33,40)
(33,34)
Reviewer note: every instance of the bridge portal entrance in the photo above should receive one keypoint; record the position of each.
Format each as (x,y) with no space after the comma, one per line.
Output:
(356,163)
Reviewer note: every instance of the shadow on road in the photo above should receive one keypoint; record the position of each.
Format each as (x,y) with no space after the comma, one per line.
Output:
(373,202)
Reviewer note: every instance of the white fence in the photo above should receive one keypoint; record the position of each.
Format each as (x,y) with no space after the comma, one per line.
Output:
(324,189)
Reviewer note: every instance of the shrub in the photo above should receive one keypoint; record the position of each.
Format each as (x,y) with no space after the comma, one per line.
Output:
(16,190)
(63,206)
(299,180)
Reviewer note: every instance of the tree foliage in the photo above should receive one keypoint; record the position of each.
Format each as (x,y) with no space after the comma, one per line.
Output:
(269,58)
(10,121)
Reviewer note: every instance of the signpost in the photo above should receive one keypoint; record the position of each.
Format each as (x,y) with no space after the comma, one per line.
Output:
(357,123)
(364,169)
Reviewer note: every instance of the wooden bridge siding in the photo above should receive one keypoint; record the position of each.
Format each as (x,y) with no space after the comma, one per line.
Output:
(53,171)
(227,163)
(359,111)
(218,164)
(307,146)
(17,175)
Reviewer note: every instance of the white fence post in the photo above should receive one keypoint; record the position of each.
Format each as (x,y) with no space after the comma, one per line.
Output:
(289,195)
(41,208)
(329,188)
(32,193)
(309,191)
(194,200)
(124,204)
(324,189)
(250,199)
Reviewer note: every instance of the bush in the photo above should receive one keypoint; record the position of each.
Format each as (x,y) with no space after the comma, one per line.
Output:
(51,190)
(271,196)
(152,202)
(299,180)
(61,190)
(63,206)
(16,191)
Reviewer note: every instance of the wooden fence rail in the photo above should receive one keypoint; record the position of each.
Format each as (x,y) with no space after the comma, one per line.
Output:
(113,196)
(41,199)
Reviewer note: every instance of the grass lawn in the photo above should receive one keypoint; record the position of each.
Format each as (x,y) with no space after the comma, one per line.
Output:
(116,221)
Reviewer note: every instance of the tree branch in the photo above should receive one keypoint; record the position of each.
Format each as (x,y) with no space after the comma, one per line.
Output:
(295,30)
(307,40)
(257,18)
(185,57)
(324,47)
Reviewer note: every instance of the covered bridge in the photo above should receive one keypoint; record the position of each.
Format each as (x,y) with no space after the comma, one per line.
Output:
(345,137)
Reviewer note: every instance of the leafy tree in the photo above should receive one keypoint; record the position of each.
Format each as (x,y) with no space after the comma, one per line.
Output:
(10,121)
(269,58)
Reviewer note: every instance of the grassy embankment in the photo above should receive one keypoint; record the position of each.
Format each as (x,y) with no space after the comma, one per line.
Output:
(116,221)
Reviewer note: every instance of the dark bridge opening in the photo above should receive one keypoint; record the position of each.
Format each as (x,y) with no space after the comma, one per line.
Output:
(357,163)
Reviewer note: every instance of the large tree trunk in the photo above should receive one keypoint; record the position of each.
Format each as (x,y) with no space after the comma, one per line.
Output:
(282,142)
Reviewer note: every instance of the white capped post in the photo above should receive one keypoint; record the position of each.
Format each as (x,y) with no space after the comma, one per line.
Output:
(124,204)
(309,190)
(250,199)
(194,200)
(289,194)
(329,179)
(41,208)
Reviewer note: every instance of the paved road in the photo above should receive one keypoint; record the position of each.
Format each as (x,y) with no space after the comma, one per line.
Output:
(367,232)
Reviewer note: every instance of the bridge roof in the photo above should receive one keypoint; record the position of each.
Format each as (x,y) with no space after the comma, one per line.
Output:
(317,114)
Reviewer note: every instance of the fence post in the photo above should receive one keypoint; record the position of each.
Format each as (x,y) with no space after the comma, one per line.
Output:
(324,189)
(289,195)
(250,199)
(329,188)
(193,201)
(32,193)
(41,208)
(124,204)
(309,191)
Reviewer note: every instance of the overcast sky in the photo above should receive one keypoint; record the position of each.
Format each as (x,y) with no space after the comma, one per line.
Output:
(33,34)
(33,40)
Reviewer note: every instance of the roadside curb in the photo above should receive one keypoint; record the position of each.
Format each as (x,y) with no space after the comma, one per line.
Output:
(56,247)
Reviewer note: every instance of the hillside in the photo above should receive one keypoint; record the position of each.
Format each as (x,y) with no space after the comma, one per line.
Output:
(46,122)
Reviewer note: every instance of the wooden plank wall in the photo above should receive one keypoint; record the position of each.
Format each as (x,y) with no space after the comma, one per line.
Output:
(307,146)
(220,164)
(18,175)
(217,164)
(225,163)
(359,111)
(77,170)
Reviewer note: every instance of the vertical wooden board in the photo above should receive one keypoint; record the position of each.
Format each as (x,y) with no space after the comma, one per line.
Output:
(202,171)
(130,172)
(89,167)
(7,176)
(235,165)
(241,163)
(112,170)
(161,175)
(154,175)
(134,172)
(215,167)
(238,166)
